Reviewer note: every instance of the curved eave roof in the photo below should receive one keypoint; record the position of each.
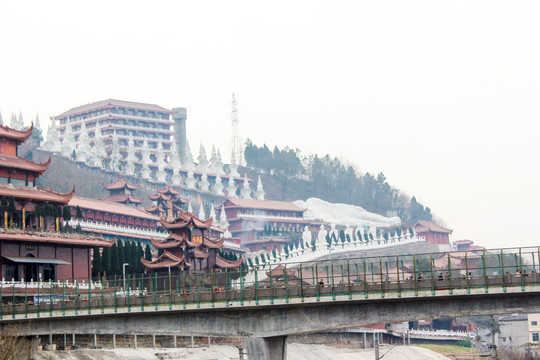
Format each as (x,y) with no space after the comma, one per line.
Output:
(18,163)
(17,135)
(168,243)
(120,184)
(35,193)
(181,222)
(222,263)
(51,239)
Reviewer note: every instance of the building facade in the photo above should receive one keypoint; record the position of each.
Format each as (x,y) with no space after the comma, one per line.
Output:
(32,246)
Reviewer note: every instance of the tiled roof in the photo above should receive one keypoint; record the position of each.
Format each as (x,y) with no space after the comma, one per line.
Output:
(222,263)
(120,184)
(425,226)
(111,207)
(110,103)
(53,239)
(18,163)
(463,242)
(261,204)
(123,198)
(34,193)
(12,134)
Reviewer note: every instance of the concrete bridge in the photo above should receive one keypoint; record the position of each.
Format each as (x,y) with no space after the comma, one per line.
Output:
(265,314)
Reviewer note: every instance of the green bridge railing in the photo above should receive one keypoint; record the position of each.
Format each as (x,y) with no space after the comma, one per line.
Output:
(415,275)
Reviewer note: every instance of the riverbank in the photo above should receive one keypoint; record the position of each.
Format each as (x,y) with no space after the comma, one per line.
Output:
(226,352)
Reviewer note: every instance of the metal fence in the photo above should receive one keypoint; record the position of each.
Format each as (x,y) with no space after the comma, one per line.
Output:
(413,275)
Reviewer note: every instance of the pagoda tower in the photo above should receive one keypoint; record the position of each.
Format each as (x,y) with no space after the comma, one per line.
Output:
(167,202)
(121,191)
(189,248)
(246,190)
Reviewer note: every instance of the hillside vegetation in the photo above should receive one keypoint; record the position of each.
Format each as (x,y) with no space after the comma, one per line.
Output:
(288,175)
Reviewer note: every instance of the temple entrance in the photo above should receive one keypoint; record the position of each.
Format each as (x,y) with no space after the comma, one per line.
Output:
(30,270)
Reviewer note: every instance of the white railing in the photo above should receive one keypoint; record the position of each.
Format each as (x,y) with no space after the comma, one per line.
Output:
(433,334)
(88,225)
(322,250)
(10,284)
(271,217)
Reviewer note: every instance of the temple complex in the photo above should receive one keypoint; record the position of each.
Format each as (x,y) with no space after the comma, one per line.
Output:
(189,247)
(27,254)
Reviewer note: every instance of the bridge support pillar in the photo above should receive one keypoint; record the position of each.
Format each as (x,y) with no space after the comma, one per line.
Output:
(135,341)
(114,341)
(153,341)
(365,340)
(72,339)
(270,348)
(175,342)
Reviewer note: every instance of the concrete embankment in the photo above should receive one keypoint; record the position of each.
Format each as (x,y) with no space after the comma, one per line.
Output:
(226,352)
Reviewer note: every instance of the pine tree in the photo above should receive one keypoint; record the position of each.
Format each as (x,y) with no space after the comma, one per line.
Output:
(106,260)
(97,265)
(78,213)
(411,232)
(366,237)
(121,254)
(342,236)
(11,209)
(115,259)
(147,253)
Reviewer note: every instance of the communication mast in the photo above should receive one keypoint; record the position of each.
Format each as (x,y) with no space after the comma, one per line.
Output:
(237,153)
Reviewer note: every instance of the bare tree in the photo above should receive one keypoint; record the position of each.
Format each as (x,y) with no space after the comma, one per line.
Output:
(12,345)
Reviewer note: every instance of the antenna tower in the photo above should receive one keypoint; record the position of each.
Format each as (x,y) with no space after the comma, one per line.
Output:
(236,145)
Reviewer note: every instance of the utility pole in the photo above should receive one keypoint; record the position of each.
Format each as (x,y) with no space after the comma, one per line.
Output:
(493,347)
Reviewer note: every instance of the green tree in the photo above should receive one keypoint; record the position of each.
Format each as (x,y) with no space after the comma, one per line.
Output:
(115,260)
(147,252)
(97,265)
(106,260)
(78,213)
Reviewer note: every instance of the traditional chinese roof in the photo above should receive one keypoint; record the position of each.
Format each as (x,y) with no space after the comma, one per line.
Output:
(50,238)
(18,163)
(200,254)
(279,272)
(35,193)
(112,103)
(213,244)
(463,242)
(170,242)
(124,198)
(222,263)
(120,184)
(186,220)
(261,204)
(164,260)
(17,135)
(111,207)
(423,226)
(166,194)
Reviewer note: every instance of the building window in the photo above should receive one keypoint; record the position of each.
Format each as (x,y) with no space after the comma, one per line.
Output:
(534,323)
(504,339)
(535,337)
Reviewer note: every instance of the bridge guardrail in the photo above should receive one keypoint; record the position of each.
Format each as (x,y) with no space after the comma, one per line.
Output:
(420,274)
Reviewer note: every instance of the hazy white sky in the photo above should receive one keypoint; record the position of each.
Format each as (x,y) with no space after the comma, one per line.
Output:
(443,97)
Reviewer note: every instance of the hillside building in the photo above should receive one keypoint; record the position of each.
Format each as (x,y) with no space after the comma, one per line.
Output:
(253,221)
(433,233)
(27,254)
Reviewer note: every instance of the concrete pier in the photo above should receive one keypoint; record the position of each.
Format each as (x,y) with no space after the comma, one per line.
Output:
(270,348)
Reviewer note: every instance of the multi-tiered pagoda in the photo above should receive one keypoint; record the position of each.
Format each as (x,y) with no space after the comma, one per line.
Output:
(167,203)
(121,191)
(189,248)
